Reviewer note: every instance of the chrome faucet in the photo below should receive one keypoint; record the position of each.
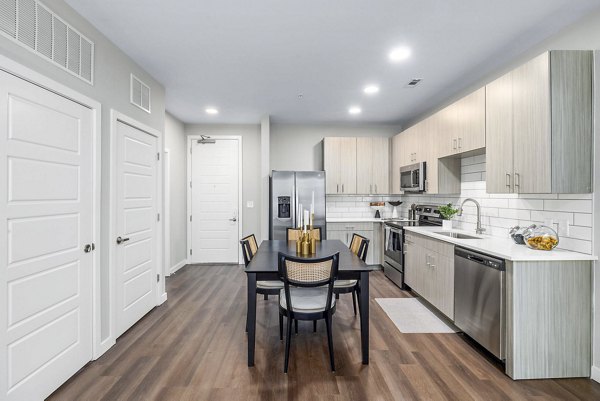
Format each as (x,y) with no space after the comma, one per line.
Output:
(479,229)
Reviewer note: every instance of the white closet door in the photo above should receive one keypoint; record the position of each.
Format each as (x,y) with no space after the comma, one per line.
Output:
(215,172)
(46,202)
(136,225)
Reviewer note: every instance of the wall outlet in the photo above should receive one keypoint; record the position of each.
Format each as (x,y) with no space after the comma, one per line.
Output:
(250,204)
(563,228)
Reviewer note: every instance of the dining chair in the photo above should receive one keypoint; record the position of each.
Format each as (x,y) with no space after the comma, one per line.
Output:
(266,288)
(293,234)
(359,246)
(307,294)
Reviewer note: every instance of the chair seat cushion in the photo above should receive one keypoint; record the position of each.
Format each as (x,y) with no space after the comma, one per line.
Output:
(307,300)
(344,283)
(269,284)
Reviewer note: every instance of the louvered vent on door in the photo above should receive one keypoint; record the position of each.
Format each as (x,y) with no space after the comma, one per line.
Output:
(35,27)
(140,94)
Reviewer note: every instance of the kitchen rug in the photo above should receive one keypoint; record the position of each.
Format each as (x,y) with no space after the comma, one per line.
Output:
(411,316)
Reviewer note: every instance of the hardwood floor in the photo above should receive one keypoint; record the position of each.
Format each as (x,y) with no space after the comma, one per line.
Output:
(194,348)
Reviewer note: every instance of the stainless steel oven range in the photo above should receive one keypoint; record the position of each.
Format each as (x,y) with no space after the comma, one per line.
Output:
(393,261)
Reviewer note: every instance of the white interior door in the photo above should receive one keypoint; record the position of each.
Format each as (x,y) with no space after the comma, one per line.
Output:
(46,220)
(137,224)
(214,202)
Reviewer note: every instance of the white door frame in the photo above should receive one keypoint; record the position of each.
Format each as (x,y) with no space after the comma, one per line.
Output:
(159,292)
(167,218)
(31,76)
(190,140)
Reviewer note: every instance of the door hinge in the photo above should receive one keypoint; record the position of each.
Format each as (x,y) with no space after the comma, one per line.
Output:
(158,217)
(190,251)
(190,184)
(157,278)
(190,217)
(158,156)
(190,150)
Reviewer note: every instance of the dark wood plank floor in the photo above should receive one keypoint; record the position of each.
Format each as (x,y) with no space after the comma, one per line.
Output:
(194,348)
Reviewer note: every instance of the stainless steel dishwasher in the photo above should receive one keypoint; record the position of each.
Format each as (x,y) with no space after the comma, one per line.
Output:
(479,299)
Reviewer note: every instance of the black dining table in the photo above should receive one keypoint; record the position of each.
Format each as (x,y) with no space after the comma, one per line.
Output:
(263,267)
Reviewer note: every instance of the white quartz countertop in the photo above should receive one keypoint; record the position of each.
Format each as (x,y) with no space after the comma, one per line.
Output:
(354,220)
(504,248)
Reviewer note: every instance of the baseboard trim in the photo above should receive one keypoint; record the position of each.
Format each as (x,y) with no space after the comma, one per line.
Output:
(595,374)
(178,266)
(104,346)
(163,299)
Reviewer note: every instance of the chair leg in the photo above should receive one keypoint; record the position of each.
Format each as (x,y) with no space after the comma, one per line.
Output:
(287,345)
(354,301)
(329,323)
(314,326)
(296,325)
(337,296)
(266,297)
(280,327)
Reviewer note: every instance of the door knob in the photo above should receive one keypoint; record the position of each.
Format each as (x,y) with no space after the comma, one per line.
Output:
(234,219)
(121,240)
(87,248)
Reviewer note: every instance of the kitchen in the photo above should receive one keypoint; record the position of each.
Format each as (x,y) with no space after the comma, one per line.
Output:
(432,164)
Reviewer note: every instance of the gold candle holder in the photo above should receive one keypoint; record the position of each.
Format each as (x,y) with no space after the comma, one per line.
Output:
(313,245)
(299,245)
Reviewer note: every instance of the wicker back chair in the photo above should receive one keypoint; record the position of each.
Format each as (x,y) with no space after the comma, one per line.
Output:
(358,246)
(293,234)
(307,294)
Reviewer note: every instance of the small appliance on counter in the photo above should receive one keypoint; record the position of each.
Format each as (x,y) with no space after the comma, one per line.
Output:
(395,204)
(516,233)
(542,238)
(377,206)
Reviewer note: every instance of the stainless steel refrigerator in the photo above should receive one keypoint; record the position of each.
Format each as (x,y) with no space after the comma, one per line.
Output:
(287,190)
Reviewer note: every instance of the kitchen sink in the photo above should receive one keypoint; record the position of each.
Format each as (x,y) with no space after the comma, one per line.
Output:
(456,235)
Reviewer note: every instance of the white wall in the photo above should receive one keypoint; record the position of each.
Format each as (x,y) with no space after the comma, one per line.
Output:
(111,89)
(175,141)
(251,182)
(299,147)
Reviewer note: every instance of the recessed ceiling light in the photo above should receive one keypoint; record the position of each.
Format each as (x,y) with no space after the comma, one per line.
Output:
(211,110)
(354,110)
(399,54)
(371,89)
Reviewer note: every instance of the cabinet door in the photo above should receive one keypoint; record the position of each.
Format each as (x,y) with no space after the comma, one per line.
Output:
(499,135)
(381,165)
(471,121)
(348,165)
(442,284)
(531,127)
(364,166)
(397,157)
(448,131)
(412,265)
(332,164)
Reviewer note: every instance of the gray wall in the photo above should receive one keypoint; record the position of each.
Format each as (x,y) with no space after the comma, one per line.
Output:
(111,89)
(251,187)
(175,141)
(300,147)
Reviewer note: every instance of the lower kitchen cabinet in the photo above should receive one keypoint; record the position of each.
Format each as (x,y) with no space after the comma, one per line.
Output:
(372,231)
(429,271)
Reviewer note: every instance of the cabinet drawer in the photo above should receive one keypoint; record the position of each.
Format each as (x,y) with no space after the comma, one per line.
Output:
(357,226)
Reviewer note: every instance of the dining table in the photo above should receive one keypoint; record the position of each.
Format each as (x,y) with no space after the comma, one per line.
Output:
(263,267)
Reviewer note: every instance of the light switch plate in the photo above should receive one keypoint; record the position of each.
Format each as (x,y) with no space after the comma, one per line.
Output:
(250,204)
(563,228)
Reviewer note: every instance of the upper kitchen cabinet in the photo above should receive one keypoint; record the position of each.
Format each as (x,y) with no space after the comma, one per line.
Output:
(339,159)
(372,165)
(470,131)
(396,163)
(539,126)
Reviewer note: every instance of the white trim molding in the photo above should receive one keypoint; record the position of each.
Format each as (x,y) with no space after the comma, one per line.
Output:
(190,140)
(595,374)
(178,266)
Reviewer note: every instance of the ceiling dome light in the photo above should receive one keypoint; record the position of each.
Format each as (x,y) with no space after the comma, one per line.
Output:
(354,110)
(399,54)
(371,89)
(211,110)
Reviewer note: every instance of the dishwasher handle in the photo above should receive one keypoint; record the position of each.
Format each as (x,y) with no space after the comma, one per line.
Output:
(480,258)
(476,259)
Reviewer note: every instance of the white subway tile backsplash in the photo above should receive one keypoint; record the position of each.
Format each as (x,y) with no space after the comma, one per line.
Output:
(572,205)
(541,216)
(526,204)
(582,219)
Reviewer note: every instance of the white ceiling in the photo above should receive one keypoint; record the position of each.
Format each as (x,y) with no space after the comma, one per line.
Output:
(249,58)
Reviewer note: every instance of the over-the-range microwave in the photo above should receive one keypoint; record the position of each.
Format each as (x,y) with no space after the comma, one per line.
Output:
(412,177)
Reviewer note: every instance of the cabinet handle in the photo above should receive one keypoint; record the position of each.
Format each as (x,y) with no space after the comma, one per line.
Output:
(338,188)
(375,188)
(426,185)
(342,188)
(454,144)
(508,180)
(460,142)
(427,260)
(371,188)
(517,182)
